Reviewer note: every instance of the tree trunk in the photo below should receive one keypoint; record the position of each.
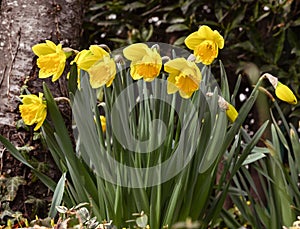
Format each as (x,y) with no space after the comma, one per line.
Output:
(24,23)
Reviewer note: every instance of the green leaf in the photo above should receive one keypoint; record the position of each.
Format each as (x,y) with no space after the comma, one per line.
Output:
(176,28)
(57,195)
(134,5)
(73,78)
(253,157)
(279,47)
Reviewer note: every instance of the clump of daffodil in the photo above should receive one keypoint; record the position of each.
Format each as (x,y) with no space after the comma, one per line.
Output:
(205,43)
(51,59)
(98,63)
(230,110)
(184,76)
(146,62)
(33,110)
(282,91)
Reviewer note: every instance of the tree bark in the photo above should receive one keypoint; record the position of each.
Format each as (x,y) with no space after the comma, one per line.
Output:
(24,23)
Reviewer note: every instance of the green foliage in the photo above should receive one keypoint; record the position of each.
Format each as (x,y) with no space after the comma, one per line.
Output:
(278,186)
(168,201)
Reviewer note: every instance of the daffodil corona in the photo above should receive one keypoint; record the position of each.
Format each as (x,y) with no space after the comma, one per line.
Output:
(146,63)
(184,77)
(51,61)
(33,110)
(205,43)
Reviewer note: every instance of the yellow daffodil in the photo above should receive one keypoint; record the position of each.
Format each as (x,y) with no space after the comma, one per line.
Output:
(230,110)
(33,110)
(145,62)
(97,62)
(103,72)
(282,91)
(103,123)
(184,76)
(87,58)
(231,113)
(51,61)
(205,43)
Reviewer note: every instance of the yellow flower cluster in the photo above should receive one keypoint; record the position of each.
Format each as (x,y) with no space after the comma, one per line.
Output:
(184,75)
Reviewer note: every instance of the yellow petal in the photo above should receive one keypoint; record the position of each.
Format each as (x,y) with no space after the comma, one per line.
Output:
(43,49)
(284,93)
(205,32)
(52,45)
(103,122)
(193,40)
(102,72)
(98,51)
(171,84)
(231,113)
(218,39)
(136,51)
(134,72)
(175,66)
(58,72)
(41,118)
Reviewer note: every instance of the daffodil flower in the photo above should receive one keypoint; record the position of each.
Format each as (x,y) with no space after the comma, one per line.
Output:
(51,61)
(146,63)
(33,110)
(230,110)
(282,91)
(231,113)
(184,76)
(98,63)
(102,72)
(205,43)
